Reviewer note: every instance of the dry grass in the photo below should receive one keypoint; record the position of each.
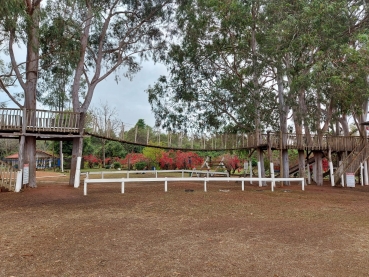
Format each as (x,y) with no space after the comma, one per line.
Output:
(56,231)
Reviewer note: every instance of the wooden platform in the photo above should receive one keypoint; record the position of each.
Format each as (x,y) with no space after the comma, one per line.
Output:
(45,125)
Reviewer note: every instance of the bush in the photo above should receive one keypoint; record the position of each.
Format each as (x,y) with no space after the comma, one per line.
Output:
(117,165)
(141,165)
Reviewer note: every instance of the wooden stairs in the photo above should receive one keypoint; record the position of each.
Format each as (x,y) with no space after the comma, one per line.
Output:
(352,162)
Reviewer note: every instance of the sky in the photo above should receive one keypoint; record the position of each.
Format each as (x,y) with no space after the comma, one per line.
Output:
(127,97)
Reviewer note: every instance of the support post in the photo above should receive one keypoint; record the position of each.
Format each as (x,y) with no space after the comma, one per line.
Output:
(272,175)
(342,176)
(309,174)
(78,172)
(251,171)
(331,173)
(331,167)
(259,174)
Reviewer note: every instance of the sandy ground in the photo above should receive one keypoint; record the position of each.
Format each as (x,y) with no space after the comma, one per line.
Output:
(54,230)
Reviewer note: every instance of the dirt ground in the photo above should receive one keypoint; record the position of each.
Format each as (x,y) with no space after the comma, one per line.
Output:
(54,230)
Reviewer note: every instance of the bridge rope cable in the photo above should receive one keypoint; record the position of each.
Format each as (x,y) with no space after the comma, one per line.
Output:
(164,147)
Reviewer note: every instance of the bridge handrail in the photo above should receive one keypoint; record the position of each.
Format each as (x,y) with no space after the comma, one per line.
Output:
(39,120)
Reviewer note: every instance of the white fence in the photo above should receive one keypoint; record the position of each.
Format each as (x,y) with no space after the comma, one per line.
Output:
(122,181)
(197,173)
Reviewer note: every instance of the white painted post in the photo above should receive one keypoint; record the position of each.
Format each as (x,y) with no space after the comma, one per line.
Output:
(78,172)
(156,173)
(309,177)
(259,175)
(366,173)
(303,184)
(342,176)
(166,185)
(128,174)
(122,186)
(361,174)
(243,185)
(18,184)
(272,174)
(251,172)
(205,185)
(272,188)
(182,173)
(85,187)
(331,173)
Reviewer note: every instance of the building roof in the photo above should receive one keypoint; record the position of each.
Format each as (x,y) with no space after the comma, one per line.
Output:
(15,156)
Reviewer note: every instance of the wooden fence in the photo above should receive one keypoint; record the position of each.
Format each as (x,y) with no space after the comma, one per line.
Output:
(8,177)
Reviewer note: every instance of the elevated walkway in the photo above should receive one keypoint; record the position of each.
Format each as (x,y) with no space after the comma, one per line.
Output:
(54,125)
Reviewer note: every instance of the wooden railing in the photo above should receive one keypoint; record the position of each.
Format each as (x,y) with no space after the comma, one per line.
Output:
(39,120)
(11,119)
(352,162)
(8,176)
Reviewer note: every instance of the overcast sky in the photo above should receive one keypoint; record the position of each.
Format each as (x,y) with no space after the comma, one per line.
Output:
(128,97)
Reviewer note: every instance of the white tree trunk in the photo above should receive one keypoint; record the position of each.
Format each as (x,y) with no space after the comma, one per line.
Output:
(61,156)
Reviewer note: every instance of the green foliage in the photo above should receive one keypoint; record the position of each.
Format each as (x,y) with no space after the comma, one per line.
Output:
(115,149)
(141,165)
(117,165)
(153,154)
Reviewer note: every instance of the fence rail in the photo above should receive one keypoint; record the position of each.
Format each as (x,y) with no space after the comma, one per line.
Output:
(122,181)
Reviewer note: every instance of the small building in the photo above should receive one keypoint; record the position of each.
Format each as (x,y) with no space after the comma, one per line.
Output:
(43,160)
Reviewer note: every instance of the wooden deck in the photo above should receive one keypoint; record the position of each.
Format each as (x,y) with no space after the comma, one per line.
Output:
(40,123)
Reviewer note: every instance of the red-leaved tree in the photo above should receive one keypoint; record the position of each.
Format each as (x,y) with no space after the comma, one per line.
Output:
(132,158)
(179,160)
(92,160)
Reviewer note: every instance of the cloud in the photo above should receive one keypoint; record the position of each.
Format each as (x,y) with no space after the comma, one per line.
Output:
(128,97)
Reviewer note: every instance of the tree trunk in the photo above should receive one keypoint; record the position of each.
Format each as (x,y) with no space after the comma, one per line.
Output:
(31,84)
(77,150)
(318,155)
(103,151)
(301,154)
(283,111)
(262,166)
